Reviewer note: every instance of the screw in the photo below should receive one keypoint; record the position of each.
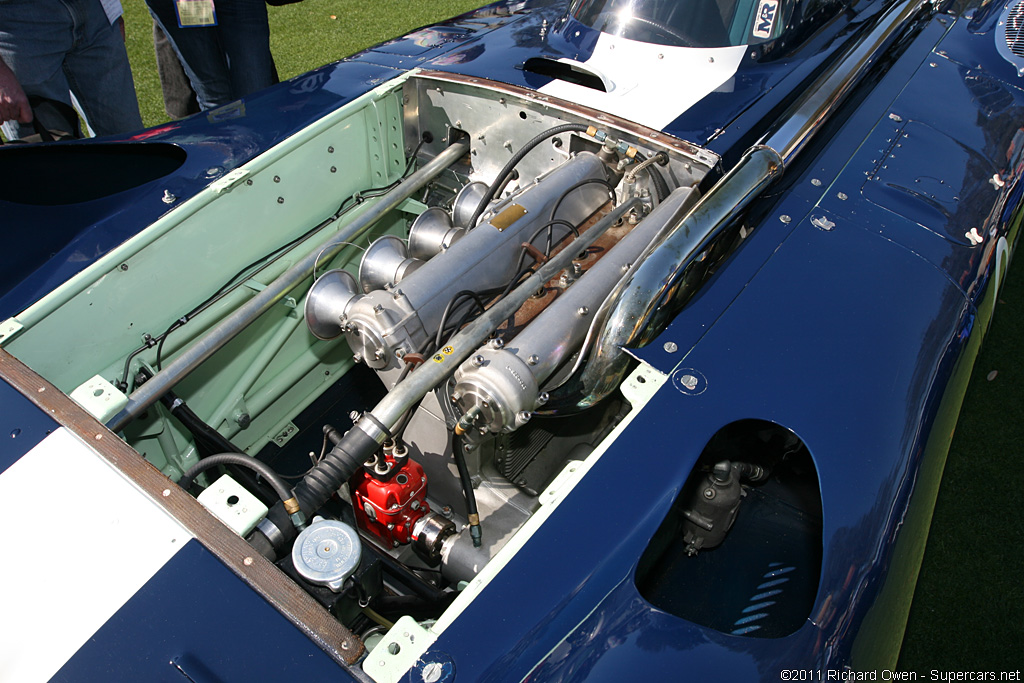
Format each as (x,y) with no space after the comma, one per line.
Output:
(842,196)
(670,347)
(280,200)
(330,150)
(277,179)
(168,197)
(533,359)
(582,311)
(815,182)
(478,361)
(432,672)
(124,266)
(784,218)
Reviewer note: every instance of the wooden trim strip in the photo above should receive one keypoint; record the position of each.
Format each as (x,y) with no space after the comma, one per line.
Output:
(259,573)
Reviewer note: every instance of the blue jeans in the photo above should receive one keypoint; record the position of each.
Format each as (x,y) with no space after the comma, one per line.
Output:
(56,47)
(224,62)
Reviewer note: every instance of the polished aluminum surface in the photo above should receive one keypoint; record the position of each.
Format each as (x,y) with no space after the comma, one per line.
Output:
(381,325)
(327,301)
(385,262)
(508,380)
(465,343)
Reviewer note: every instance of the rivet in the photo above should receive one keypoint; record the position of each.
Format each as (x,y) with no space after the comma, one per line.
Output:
(247,562)
(166,492)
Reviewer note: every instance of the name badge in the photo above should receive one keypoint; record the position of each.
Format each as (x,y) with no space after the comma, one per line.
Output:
(195,13)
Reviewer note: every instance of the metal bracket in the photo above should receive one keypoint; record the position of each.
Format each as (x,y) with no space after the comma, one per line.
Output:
(228,182)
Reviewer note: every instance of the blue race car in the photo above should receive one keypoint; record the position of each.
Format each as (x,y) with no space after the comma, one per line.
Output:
(602,340)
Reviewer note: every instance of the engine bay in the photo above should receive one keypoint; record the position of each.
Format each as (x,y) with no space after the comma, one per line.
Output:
(379,396)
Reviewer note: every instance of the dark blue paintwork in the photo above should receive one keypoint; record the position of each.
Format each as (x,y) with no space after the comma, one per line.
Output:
(215,142)
(196,615)
(848,337)
(863,408)
(856,338)
(22,425)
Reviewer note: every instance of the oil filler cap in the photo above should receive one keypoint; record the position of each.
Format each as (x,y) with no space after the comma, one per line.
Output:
(326,553)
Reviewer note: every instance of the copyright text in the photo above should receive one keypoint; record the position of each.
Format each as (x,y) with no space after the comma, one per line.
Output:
(888,675)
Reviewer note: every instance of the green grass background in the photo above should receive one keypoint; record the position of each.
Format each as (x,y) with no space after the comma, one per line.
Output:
(966,613)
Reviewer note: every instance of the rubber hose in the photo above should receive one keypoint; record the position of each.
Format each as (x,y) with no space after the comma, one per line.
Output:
(276,482)
(337,467)
(467,488)
(516,158)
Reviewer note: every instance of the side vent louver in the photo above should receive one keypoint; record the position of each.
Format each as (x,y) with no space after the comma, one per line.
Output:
(1010,35)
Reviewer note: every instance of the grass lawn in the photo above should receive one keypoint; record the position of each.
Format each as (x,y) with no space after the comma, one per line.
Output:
(303,36)
(966,610)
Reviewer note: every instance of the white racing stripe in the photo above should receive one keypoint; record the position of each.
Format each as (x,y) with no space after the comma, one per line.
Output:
(79,541)
(650,84)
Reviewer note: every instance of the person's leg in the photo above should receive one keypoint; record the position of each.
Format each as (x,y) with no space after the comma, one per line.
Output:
(98,71)
(200,52)
(245,36)
(179,98)
(34,37)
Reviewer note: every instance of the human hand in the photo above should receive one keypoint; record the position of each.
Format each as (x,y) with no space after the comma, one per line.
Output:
(13,102)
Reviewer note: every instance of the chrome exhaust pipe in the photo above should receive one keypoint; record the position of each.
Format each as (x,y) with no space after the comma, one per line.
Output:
(655,289)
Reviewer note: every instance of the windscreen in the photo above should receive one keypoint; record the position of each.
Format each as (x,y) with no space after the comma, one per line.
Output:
(687,23)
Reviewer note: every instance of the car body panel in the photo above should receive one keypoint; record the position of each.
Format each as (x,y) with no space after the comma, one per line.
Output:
(849,315)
